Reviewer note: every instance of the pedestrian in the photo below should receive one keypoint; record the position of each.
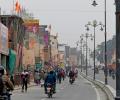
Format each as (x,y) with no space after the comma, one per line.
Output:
(113,74)
(24,80)
(110,71)
(72,75)
(63,74)
(5,84)
(12,79)
(59,76)
(37,77)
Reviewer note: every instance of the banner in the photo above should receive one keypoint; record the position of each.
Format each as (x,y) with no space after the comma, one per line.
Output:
(12,61)
(29,57)
(46,39)
(3,39)
(32,25)
(32,43)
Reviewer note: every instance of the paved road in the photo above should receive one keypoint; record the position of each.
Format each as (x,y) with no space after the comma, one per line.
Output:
(80,90)
(101,77)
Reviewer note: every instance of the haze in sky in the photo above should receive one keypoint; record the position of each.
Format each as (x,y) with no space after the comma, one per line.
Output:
(68,17)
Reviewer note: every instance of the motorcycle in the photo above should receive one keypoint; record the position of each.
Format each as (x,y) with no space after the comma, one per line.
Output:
(2,97)
(6,96)
(71,80)
(49,90)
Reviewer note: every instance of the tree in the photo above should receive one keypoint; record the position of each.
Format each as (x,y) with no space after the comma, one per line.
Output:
(100,51)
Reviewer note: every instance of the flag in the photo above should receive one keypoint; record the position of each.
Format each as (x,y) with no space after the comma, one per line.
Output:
(17,7)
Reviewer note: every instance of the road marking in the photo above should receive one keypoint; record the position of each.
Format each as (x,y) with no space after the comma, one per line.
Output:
(97,93)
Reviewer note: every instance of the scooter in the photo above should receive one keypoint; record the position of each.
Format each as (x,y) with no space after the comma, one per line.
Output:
(49,90)
(71,80)
(3,97)
(6,96)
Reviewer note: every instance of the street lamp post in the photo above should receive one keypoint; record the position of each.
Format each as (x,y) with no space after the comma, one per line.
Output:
(89,56)
(94,25)
(86,36)
(80,42)
(117,49)
(106,71)
(83,54)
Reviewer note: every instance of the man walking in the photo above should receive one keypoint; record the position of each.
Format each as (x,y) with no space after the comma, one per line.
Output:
(24,80)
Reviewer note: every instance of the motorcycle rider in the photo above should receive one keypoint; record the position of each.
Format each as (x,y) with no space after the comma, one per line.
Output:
(71,75)
(5,83)
(50,79)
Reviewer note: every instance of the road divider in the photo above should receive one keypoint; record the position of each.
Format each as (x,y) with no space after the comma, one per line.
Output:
(108,90)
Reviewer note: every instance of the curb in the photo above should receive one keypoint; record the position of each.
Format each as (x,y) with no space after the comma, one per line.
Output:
(110,92)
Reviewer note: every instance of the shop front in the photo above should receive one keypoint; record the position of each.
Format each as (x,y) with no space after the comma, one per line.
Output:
(4,51)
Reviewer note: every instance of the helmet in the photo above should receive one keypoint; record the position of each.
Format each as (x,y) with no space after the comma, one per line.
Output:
(51,72)
(1,70)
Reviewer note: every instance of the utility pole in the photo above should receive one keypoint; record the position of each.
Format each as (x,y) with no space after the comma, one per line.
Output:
(117,49)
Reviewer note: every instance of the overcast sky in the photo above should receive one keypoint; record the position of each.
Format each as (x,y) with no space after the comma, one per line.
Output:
(68,17)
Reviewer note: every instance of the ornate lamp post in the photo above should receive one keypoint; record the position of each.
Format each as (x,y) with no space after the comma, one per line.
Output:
(81,54)
(86,36)
(81,42)
(106,72)
(89,56)
(94,25)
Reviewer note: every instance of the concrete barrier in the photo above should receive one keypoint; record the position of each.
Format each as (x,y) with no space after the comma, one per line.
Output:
(110,92)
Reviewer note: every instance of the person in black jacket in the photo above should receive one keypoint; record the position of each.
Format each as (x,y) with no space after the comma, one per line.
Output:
(50,79)
(72,75)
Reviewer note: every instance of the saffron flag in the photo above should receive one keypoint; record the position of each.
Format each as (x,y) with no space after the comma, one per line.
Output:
(17,7)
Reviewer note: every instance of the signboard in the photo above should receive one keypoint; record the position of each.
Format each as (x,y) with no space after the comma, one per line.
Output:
(29,57)
(3,39)
(32,42)
(46,39)
(32,25)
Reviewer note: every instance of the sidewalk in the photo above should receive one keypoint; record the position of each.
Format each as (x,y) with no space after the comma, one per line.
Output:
(29,85)
(100,80)
(100,76)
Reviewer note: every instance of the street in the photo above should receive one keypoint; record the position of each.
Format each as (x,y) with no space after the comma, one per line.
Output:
(65,37)
(80,90)
(100,76)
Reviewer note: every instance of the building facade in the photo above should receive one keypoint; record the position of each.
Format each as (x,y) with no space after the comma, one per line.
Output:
(16,31)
